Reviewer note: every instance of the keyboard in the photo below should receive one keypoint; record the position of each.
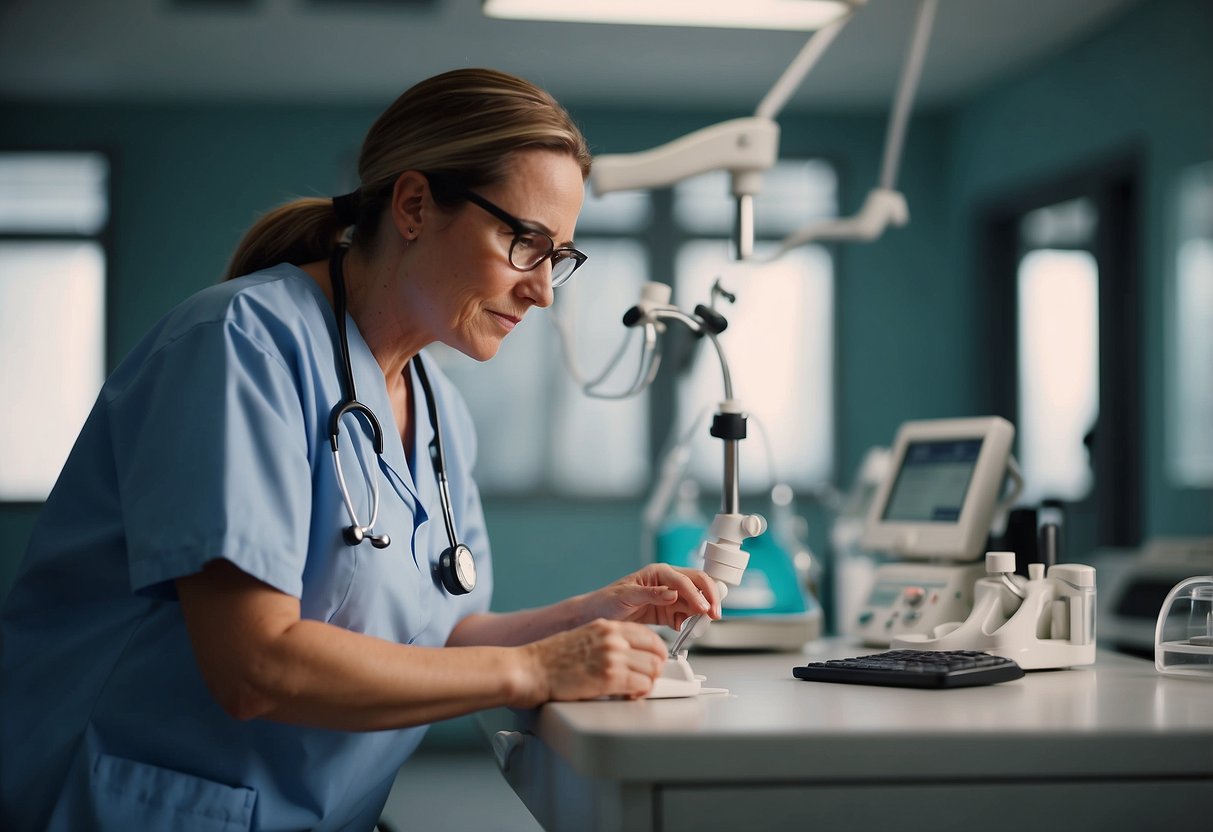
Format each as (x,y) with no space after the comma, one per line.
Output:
(915,669)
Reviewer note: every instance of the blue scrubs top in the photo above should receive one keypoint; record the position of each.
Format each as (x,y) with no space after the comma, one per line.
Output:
(211,441)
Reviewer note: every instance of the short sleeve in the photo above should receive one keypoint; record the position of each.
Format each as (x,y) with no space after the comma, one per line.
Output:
(211,458)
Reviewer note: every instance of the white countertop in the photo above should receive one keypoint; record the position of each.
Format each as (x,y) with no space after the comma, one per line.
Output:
(1117,717)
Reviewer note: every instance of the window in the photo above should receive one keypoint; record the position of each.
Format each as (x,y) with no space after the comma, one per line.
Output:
(780,339)
(1062,329)
(1190,428)
(1058,338)
(1059,371)
(539,433)
(53,209)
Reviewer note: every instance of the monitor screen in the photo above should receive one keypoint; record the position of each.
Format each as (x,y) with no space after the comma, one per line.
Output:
(933,481)
(944,484)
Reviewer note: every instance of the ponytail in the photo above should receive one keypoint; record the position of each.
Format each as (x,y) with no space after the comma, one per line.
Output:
(298,232)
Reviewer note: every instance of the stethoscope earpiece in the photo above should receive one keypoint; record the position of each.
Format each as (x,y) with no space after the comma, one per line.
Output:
(353,535)
(456,565)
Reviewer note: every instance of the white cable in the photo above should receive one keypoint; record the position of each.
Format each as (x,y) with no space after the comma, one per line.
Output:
(674,460)
(650,361)
(651,353)
(772,474)
(570,360)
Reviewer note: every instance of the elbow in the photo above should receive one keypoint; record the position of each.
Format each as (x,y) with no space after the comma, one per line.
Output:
(245,702)
(247,693)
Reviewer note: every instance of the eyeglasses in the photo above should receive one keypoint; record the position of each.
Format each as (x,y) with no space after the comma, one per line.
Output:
(531,246)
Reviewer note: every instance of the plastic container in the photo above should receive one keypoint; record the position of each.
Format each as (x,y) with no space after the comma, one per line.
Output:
(1183,639)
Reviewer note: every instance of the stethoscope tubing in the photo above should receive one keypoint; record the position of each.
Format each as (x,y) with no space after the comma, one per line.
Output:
(350,404)
(437,454)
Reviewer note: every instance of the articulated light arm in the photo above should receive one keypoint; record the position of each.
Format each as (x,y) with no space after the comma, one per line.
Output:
(885,205)
(746,147)
(742,144)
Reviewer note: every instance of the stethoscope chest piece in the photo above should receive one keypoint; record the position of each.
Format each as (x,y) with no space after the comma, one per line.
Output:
(457,569)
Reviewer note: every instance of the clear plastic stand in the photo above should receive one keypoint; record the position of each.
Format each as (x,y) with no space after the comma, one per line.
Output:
(1183,638)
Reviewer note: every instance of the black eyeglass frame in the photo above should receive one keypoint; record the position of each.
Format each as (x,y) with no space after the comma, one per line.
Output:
(556,254)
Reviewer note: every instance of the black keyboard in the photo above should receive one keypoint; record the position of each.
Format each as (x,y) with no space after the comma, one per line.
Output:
(915,669)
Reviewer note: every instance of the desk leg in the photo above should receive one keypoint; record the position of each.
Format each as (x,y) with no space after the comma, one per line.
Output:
(563,800)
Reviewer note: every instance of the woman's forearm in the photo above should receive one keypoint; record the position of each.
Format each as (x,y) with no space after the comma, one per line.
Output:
(656,594)
(260,659)
(506,629)
(322,675)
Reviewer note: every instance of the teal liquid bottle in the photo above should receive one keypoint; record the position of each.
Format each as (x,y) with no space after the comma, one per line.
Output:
(680,538)
(770,585)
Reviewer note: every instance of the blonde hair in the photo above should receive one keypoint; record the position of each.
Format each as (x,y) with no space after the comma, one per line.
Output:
(461,125)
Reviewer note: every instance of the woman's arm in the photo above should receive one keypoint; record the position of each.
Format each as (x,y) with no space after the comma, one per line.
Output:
(657,594)
(260,659)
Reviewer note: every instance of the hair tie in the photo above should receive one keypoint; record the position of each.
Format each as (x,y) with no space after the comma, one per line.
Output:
(346,207)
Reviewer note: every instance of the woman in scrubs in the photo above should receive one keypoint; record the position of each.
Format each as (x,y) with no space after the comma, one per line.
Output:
(203,635)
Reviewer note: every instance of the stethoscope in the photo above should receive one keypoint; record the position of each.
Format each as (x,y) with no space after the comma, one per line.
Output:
(456,565)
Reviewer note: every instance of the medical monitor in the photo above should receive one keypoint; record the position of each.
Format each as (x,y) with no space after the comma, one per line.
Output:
(944,482)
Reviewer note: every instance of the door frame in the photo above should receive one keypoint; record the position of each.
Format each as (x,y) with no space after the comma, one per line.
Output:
(1115,187)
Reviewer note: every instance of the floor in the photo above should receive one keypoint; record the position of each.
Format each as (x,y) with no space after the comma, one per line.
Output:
(457,791)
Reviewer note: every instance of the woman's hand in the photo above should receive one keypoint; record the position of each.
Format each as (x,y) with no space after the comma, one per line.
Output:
(601,658)
(657,594)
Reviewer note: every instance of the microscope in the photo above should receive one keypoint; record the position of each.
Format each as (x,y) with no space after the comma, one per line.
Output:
(723,558)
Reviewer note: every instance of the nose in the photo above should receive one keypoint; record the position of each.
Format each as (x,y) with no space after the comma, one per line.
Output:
(536,285)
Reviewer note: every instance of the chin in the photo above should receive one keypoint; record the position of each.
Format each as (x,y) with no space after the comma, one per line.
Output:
(480,350)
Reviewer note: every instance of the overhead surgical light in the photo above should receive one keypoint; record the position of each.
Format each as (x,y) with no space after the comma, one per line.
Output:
(796,15)
(747,147)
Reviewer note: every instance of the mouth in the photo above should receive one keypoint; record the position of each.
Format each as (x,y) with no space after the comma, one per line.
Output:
(508,322)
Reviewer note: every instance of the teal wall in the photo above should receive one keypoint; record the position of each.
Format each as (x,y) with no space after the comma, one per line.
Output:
(189,179)
(1145,85)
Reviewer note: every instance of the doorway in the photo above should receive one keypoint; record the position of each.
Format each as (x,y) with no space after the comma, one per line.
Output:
(1064,322)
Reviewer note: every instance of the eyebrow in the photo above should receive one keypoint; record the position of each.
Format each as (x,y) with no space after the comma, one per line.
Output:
(541,227)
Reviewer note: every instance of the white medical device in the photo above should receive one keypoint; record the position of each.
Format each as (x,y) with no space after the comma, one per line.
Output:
(1045,621)
(934,511)
(853,566)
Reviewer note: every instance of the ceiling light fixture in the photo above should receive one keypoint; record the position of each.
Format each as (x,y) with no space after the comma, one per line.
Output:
(798,15)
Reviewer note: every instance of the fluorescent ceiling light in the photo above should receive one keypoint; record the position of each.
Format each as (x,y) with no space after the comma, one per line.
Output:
(804,15)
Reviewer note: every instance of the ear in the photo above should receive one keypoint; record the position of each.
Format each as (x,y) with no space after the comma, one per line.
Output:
(409,195)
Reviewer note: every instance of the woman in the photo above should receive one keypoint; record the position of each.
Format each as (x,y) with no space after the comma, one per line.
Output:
(211,628)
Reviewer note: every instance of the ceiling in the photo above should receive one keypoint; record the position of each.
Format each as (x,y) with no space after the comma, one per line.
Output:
(369,50)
